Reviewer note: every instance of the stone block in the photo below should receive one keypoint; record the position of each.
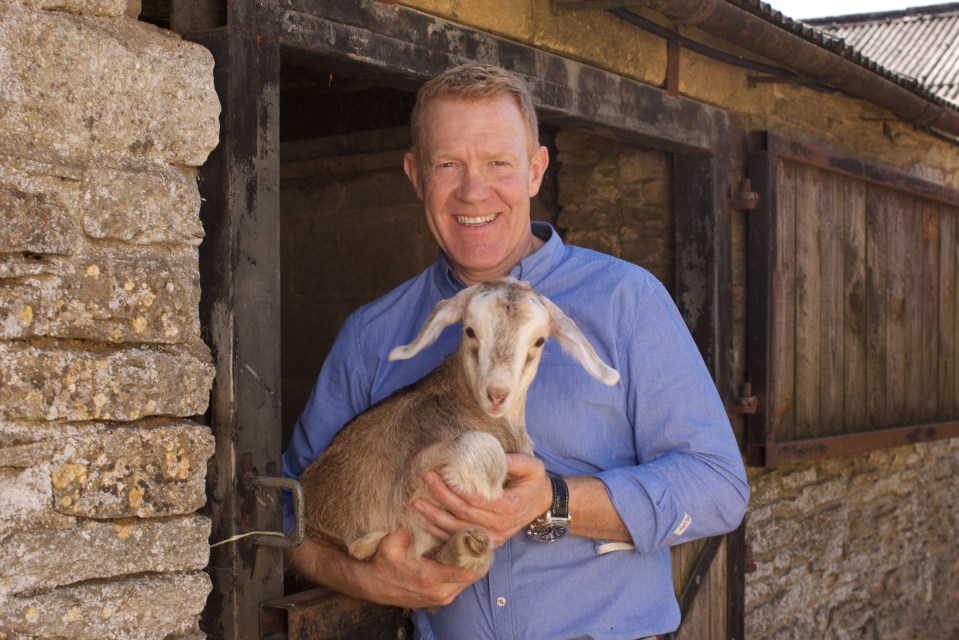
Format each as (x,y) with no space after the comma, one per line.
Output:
(82,86)
(52,381)
(106,8)
(31,561)
(142,295)
(35,223)
(51,473)
(26,495)
(159,204)
(140,608)
(132,471)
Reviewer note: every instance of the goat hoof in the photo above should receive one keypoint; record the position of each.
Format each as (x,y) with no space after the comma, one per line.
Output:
(477,542)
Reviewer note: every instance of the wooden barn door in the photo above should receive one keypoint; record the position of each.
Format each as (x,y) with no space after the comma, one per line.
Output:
(853,332)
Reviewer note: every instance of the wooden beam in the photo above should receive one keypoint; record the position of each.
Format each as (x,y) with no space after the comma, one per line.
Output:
(240,316)
(816,448)
(400,47)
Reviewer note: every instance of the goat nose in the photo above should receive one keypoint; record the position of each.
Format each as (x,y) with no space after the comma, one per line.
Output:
(496,396)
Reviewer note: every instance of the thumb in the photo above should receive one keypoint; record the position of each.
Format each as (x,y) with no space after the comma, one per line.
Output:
(522,467)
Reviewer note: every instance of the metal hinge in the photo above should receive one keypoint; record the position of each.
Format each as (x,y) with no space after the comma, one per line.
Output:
(746,402)
(746,199)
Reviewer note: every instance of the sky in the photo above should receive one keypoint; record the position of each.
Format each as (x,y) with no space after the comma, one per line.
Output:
(800,9)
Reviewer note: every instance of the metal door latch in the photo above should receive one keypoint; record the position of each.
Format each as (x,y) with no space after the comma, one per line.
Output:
(299,511)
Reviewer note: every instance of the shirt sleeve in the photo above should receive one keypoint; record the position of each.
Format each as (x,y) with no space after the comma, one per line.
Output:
(690,481)
(340,393)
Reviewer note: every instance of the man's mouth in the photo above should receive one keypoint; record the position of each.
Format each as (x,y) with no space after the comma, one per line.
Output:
(475,221)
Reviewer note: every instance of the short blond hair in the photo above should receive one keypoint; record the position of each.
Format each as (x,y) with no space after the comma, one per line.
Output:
(474,81)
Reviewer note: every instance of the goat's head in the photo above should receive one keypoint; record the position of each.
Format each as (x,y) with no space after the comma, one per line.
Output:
(505,326)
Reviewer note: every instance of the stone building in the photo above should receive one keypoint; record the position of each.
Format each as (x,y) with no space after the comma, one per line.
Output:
(195,194)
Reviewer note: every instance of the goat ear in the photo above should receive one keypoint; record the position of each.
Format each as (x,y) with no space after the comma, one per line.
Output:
(575,344)
(445,313)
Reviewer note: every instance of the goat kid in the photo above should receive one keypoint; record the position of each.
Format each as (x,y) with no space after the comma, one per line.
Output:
(460,420)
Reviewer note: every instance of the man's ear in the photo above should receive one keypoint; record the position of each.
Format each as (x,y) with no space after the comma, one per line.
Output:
(412,169)
(538,162)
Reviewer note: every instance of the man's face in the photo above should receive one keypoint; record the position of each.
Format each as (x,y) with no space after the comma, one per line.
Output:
(476,178)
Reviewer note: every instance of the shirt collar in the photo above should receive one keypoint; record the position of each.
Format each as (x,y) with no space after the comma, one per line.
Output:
(533,268)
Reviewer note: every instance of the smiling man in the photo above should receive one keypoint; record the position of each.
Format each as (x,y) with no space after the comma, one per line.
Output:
(627,471)
(475,167)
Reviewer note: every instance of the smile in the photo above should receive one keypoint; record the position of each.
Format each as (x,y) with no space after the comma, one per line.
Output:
(476,221)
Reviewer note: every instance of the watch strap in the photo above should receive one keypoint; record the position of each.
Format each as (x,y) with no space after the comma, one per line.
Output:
(560,506)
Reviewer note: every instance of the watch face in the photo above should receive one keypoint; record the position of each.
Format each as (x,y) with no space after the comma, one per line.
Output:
(552,532)
(548,531)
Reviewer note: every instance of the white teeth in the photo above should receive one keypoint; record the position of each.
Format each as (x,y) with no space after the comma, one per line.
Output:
(475,221)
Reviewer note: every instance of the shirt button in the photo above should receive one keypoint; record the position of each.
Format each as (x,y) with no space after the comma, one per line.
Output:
(501,601)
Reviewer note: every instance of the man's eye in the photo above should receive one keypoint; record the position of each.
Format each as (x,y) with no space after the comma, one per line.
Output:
(469,332)
(540,342)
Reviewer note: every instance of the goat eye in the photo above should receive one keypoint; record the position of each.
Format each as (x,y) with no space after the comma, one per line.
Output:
(469,332)
(540,342)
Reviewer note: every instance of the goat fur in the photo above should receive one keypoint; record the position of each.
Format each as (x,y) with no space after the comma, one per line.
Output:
(460,420)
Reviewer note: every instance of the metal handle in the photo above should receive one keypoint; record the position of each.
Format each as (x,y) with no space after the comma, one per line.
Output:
(299,512)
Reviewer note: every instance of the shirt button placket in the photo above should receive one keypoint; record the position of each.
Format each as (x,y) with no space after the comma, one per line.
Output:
(499,595)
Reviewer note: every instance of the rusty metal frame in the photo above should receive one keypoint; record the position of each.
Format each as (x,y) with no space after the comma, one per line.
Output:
(764,447)
(320,613)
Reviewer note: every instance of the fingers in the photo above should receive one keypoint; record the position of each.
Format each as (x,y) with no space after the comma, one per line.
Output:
(502,518)
(413,582)
(439,522)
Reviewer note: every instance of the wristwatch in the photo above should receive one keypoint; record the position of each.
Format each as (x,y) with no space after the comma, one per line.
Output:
(554,524)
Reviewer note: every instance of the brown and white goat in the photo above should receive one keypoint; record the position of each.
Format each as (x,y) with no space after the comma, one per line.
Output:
(460,419)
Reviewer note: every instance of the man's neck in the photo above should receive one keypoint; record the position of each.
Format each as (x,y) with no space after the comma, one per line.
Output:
(535,244)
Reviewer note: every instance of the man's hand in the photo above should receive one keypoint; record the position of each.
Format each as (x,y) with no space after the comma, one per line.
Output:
(527,496)
(391,577)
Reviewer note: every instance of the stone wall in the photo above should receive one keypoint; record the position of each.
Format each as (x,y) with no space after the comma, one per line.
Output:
(856,547)
(616,198)
(103,121)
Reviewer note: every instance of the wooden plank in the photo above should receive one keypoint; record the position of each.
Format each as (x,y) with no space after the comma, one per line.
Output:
(876,175)
(854,310)
(695,609)
(808,343)
(947,312)
(855,443)
(897,266)
(928,389)
(954,241)
(763,321)
(240,307)
(402,47)
(875,307)
(782,389)
(703,261)
(910,223)
(717,593)
(831,205)
(736,581)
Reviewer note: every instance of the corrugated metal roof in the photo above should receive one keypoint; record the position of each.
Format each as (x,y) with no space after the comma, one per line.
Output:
(920,43)
(820,36)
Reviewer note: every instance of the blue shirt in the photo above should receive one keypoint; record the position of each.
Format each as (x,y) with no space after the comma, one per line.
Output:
(659,440)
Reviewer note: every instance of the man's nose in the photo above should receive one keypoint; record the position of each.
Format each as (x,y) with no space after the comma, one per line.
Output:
(473,185)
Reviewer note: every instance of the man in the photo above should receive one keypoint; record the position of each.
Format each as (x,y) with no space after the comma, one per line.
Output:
(647,463)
